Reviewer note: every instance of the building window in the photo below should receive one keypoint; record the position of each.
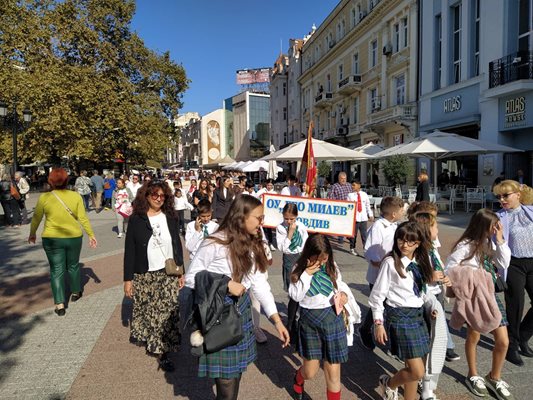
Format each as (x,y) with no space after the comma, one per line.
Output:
(405,30)
(400,89)
(475,66)
(525,28)
(328,83)
(373,100)
(438,51)
(456,43)
(354,17)
(355,110)
(396,37)
(373,53)
(317,54)
(343,28)
(284,113)
(339,32)
(355,64)
(284,88)
(341,72)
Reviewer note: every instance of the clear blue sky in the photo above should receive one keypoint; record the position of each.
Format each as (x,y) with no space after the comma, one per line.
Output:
(214,38)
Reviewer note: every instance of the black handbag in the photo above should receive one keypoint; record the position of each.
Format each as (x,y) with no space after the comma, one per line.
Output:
(500,285)
(226,331)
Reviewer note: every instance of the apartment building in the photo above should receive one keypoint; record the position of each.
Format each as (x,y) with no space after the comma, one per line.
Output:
(477,80)
(190,143)
(358,81)
(178,150)
(279,101)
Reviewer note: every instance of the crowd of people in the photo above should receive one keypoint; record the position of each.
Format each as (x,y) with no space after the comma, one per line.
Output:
(231,252)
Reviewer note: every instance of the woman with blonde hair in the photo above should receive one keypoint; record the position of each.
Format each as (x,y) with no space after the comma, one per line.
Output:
(422,190)
(516,216)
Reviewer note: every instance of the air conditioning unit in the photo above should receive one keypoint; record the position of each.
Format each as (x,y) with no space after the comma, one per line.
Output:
(331,44)
(342,130)
(387,49)
(342,110)
(362,14)
(332,114)
(376,105)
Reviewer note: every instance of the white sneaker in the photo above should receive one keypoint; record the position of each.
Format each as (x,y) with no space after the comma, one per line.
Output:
(272,247)
(476,384)
(119,235)
(352,251)
(386,392)
(260,336)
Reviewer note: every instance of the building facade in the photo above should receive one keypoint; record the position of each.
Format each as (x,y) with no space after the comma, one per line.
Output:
(191,143)
(359,74)
(476,80)
(279,101)
(181,122)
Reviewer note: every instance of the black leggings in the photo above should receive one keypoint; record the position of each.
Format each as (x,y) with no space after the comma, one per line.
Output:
(227,389)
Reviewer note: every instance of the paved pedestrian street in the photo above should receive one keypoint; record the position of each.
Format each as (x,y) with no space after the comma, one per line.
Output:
(87,355)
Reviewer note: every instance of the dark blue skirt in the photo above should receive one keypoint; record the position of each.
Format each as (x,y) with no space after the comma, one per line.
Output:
(232,361)
(407,331)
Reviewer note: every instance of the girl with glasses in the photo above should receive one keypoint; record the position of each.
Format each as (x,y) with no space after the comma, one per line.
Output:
(400,289)
(480,254)
(516,216)
(153,237)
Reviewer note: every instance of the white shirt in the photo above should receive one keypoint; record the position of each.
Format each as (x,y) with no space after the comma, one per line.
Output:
(286,191)
(193,238)
(298,292)
(133,187)
(160,243)
(181,203)
(214,257)
(284,242)
(435,288)
(378,244)
(366,211)
(501,257)
(264,191)
(391,286)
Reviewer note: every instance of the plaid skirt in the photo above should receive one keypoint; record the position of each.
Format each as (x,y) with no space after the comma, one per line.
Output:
(501,307)
(289,260)
(322,335)
(407,331)
(156,313)
(232,361)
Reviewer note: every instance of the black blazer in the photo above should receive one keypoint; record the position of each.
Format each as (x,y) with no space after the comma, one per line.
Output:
(139,233)
(422,191)
(221,204)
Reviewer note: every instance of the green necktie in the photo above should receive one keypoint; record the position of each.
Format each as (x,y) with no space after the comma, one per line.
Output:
(296,240)
(321,283)
(206,233)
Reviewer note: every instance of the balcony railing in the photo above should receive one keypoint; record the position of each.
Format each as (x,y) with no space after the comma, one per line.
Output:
(350,84)
(511,68)
(394,113)
(323,99)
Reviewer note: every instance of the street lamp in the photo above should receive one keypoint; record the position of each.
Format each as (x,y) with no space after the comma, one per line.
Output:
(13,118)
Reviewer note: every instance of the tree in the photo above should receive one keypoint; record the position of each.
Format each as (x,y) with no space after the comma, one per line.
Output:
(396,169)
(324,169)
(92,85)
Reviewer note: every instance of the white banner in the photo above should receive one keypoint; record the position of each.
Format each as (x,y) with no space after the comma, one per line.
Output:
(331,217)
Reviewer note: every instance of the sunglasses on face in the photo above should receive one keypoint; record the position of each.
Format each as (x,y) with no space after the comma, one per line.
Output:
(504,196)
(156,196)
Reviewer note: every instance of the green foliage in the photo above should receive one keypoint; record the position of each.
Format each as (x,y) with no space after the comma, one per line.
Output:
(92,85)
(396,169)
(324,169)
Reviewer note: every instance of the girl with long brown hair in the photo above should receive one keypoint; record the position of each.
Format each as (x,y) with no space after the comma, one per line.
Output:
(400,289)
(482,246)
(236,250)
(322,333)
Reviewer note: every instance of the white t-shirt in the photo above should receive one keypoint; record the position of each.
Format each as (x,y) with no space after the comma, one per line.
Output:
(160,243)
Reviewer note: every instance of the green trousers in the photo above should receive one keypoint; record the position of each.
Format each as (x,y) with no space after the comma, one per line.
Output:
(63,256)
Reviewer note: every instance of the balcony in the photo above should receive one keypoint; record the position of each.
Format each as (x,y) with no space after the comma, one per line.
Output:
(195,141)
(187,144)
(393,114)
(324,99)
(350,84)
(513,67)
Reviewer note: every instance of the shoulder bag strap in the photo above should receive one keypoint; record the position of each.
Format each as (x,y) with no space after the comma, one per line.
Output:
(64,205)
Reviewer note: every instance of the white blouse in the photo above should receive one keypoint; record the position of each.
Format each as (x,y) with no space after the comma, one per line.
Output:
(193,238)
(397,291)
(214,257)
(160,243)
(284,242)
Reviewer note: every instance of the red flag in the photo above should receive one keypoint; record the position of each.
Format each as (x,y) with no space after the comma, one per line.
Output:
(308,161)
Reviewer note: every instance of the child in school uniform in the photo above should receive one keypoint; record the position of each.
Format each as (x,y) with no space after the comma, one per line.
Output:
(482,247)
(180,205)
(378,244)
(291,236)
(200,228)
(399,290)
(315,281)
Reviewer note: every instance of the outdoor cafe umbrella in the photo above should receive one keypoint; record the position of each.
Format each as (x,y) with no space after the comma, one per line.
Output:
(259,165)
(442,145)
(322,151)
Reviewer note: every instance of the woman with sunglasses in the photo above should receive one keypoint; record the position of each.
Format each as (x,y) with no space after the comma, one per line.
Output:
(516,216)
(153,237)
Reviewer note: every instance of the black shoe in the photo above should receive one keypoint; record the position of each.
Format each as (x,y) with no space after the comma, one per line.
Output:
(525,350)
(76,296)
(165,364)
(60,312)
(514,358)
(366,339)
(451,355)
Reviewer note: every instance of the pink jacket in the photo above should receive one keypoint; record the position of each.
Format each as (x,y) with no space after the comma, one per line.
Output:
(475,302)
